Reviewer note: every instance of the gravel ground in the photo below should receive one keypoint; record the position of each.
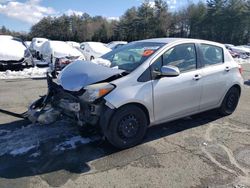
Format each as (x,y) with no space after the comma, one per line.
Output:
(203,151)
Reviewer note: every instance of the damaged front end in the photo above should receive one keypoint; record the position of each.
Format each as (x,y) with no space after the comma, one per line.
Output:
(61,104)
(77,96)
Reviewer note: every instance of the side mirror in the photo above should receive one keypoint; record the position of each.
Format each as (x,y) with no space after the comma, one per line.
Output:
(169,71)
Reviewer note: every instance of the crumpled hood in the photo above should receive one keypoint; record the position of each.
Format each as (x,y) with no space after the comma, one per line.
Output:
(79,74)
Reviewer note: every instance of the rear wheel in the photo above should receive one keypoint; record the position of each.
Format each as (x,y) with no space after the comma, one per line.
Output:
(127,127)
(230,102)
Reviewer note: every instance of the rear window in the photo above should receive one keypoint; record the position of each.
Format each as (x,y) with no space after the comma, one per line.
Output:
(212,55)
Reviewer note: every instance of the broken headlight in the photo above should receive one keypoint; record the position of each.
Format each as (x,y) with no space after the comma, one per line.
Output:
(96,91)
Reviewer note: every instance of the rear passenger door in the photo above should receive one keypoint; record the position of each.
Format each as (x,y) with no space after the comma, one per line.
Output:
(214,75)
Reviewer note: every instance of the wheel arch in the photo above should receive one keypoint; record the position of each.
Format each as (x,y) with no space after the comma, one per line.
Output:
(141,106)
(236,85)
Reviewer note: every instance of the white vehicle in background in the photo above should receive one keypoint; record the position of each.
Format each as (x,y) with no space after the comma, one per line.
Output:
(228,46)
(243,53)
(246,46)
(58,54)
(6,37)
(27,43)
(116,44)
(13,53)
(246,49)
(93,50)
(35,46)
(74,44)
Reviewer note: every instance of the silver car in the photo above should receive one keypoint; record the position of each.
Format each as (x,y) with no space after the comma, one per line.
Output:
(141,84)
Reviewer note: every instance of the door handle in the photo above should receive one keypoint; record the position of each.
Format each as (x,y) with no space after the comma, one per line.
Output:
(227,69)
(197,77)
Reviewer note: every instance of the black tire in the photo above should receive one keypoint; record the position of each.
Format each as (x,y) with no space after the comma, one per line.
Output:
(92,58)
(127,127)
(230,102)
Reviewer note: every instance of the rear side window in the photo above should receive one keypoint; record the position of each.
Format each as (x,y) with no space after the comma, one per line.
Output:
(212,55)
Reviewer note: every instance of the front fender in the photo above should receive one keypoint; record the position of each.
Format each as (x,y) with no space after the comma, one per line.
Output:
(140,93)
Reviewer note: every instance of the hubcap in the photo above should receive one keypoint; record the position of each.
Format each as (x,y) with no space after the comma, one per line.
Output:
(128,126)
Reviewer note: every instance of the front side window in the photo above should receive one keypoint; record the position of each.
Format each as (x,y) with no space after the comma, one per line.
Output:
(211,54)
(182,56)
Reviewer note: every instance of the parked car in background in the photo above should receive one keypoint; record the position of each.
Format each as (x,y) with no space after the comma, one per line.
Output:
(27,43)
(74,44)
(116,44)
(246,49)
(228,46)
(6,37)
(243,53)
(35,46)
(172,79)
(58,54)
(93,50)
(13,53)
(234,54)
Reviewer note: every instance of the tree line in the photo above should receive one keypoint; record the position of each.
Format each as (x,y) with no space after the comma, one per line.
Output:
(226,21)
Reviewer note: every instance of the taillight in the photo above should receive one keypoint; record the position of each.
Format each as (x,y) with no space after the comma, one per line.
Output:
(64,62)
(240,69)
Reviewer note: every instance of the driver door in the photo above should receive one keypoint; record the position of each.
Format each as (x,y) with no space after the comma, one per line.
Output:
(179,96)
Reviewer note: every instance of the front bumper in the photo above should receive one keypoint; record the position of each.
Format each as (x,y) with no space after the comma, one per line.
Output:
(28,61)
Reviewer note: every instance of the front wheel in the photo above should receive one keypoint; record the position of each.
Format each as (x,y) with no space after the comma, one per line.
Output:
(230,102)
(127,127)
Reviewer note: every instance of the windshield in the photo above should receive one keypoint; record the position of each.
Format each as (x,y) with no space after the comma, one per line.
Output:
(130,56)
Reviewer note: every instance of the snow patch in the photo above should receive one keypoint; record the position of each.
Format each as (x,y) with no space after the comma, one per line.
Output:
(72,143)
(33,72)
(34,155)
(242,61)
(21,150)
(59,136)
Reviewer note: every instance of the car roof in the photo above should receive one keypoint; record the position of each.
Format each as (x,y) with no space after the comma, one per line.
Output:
(171,40)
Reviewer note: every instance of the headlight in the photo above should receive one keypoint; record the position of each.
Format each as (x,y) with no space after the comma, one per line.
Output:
(96,91)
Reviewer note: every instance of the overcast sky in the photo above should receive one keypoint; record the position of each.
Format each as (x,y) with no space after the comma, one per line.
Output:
(20,15)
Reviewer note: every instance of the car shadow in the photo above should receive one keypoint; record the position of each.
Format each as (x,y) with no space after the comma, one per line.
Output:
(43,159)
